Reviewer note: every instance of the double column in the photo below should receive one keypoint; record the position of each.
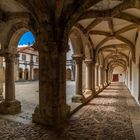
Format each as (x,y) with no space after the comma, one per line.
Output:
(78,78)
(10,105)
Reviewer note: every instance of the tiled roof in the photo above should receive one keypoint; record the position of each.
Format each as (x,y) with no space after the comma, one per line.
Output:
(28,49)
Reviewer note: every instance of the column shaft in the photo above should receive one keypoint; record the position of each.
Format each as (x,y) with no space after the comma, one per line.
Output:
(93,78)
(52,109)
(10,105)
(79,93)
(78,77)
(97,75)
(9,79)
(107,77)
(89,72)
(1,78)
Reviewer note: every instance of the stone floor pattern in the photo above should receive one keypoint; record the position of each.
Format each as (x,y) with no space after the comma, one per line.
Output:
(106,117)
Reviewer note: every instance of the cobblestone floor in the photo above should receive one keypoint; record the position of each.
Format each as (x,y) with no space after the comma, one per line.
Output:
(106,117)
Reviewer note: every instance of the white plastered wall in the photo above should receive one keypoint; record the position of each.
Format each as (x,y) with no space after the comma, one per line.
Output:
(135,71)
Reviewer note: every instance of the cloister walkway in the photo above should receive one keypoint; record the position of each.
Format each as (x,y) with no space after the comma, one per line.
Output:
(112,115)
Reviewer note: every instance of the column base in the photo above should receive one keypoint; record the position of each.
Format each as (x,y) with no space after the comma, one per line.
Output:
(78,99)
(101,86)
(12,107)
(1,98)
(88,91)
(50,121)
(97,88)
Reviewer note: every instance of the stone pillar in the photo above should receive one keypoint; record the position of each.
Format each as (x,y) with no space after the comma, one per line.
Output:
(10,105)
(52,109)
(89,72)
(93,78)
(78,95)
(100,77)
(1,78)
(107,78)
(97,76)
(110,75)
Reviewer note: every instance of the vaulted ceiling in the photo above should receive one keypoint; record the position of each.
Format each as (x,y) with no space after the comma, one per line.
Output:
(111,26)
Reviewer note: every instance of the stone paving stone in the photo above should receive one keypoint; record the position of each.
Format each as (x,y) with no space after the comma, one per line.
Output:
(106,117)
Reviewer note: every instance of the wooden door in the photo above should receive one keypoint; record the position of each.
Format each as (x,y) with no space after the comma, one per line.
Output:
(115,77)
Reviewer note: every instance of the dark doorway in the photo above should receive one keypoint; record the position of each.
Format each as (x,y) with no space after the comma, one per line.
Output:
(115,77)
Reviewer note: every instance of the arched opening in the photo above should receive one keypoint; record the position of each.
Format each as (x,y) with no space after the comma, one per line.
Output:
(21,68)
(79,68)
(70,74)
(20,74)
(26,74)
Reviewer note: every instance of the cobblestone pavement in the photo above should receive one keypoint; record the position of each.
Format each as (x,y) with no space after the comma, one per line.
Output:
(106,117)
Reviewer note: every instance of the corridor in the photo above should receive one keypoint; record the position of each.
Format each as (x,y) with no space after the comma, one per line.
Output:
(112,115)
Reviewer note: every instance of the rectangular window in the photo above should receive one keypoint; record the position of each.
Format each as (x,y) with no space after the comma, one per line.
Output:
(24,57)
(37,59)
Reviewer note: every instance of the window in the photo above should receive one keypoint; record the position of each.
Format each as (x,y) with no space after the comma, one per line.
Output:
(24,57)
(37,59)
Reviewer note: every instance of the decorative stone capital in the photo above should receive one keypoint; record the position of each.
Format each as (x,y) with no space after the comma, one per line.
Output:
(52,46)
(10,58)
(78,58)
(88,61)
(101,66)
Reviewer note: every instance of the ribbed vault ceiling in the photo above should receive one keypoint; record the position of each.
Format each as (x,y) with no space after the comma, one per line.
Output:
(111,26)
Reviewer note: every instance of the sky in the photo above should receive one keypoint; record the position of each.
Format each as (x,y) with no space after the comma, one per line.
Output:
(26,38)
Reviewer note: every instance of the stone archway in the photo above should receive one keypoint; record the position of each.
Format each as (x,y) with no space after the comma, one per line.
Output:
(26,74)
(68,74)
(20,74)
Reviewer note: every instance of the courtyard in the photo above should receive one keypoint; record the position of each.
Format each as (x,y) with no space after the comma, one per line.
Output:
(28,94)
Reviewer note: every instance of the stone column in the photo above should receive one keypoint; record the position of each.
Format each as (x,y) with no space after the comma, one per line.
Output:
(52,109)
(93,78)
(100,76)
(89,72)
(97,76)
(1,78)
(110,76)
(78,95)
(10,105)
(107,79)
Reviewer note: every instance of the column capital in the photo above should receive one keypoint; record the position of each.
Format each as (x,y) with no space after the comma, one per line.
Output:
(78,57)
(88,61)
(51,46)
(101,66)
(9,57)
